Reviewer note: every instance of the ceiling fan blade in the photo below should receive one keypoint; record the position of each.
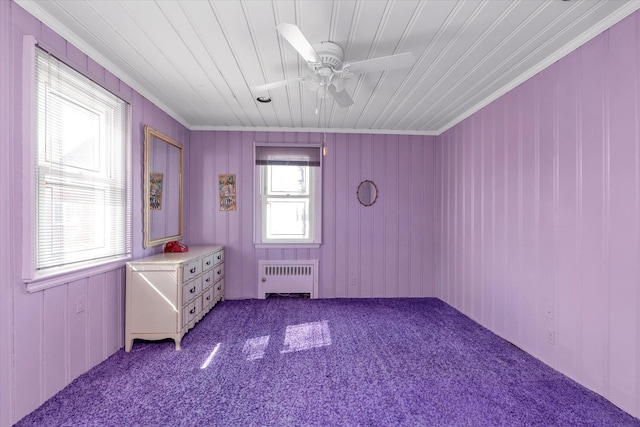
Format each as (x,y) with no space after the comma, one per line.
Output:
(342,98)
(294,36)
(269,86)
(402,60)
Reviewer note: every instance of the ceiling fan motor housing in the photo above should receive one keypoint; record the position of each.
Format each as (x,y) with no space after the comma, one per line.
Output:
(330,53)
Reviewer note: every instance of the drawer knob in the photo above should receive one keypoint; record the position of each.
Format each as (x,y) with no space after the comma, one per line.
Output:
(193,270)
(193,310)
(219,271)
(208,279)
(208,262)
(192,290)
(219,257)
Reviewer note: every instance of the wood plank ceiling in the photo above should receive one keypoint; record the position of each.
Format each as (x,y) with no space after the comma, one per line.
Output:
(198,59)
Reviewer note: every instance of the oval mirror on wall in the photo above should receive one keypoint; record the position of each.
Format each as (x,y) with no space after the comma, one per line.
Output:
(367,193)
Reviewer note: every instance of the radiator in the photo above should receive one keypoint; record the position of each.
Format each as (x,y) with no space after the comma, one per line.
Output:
(288,277)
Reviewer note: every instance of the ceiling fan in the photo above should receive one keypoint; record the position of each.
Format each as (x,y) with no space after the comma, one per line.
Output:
(326,60)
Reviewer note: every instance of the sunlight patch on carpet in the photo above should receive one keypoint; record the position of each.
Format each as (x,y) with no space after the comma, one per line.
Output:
(254,348)
(306,336)
(211,356)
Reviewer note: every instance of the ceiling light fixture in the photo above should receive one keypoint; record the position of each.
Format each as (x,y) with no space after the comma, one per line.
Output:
(265,99)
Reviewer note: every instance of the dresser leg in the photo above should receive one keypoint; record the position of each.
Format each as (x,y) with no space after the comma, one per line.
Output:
(128,344)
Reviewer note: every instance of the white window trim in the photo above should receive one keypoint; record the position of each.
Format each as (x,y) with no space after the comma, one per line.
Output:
(34,282)
(257,206)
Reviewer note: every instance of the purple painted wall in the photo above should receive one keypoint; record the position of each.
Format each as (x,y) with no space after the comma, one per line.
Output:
(530,206)
(44,343)
(386,250)
(538,215)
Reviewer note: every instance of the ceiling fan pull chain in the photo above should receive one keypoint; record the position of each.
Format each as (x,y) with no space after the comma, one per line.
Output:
(324,136)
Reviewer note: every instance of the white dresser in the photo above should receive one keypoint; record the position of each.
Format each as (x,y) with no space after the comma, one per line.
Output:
(166,294)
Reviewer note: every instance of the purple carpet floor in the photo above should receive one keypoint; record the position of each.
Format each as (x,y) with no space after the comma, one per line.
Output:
(338,362)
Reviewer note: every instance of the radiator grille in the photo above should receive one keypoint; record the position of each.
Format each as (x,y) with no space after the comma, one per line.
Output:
(288,277)
(288,270)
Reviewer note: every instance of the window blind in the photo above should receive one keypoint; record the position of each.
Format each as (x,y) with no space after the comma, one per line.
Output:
(288,155)
(82,185)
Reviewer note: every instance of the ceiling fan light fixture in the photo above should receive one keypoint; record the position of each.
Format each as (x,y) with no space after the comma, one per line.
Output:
(313,83)
(324,72)
(339,84)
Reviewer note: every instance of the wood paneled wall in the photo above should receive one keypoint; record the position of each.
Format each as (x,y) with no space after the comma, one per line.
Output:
(386,250)
(539,215)
(526,217)
(7,256)
(44,341)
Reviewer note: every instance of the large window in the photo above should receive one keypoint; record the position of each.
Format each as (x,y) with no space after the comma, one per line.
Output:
(81,214)
(288,196)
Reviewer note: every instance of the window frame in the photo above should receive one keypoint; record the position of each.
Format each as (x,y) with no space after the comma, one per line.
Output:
(315,189)
(35,280)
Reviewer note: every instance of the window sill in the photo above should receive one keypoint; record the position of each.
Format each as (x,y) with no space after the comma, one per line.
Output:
(287,245)
(51,280)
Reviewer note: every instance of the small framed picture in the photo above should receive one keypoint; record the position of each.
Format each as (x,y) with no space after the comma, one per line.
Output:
(227,190)
(155,191)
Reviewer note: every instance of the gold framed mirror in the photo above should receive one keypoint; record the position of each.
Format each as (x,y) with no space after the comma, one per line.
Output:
(367,193)
(162,188)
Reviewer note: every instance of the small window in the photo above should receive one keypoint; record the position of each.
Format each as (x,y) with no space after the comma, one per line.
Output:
(288,195)
(82,213)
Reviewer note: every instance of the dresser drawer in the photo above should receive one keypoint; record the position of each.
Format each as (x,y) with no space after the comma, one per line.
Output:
(191,270)
(207,279)
(191,289)
(207,262)
(207,298)
(218,272)
(191,311)
(218,290)
(218,257)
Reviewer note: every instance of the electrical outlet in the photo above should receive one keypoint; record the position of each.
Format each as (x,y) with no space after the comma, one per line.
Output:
(80,304)
(551,336)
